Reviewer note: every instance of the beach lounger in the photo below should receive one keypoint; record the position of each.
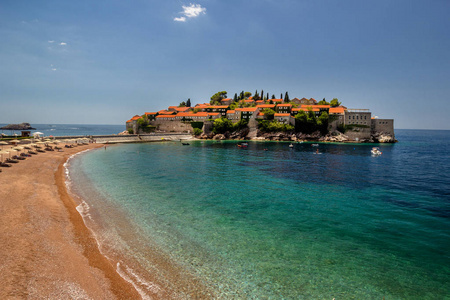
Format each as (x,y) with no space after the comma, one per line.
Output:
(32,152)
(40,150)
(9,160)
(18,157)
(2,164)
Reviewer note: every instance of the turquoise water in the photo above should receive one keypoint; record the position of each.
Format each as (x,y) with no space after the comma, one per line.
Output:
(71,129)
(277,224)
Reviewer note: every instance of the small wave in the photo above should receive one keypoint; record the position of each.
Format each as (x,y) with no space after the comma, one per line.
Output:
(138,283)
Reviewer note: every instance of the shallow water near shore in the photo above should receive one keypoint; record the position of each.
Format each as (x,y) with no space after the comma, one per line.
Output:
(277,224)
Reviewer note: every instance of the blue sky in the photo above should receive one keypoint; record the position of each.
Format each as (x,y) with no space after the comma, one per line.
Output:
(101,62)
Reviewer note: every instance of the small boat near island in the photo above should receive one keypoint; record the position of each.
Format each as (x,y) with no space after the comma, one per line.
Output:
(315,145)
(185,144)
(376,151)
(242,145)
(291,146)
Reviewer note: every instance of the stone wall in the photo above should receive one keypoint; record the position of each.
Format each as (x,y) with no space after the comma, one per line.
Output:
(358,134)
(383,126)
(172,126)
(358,117)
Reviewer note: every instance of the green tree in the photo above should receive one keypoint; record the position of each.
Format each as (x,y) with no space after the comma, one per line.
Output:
(262,95)
(273,96)
(235,99)
(269,113)
(256,95)
(281,96)
(197,131)
(233,105)
(247,94)
(240,125)
(222,125)
(335,102)
(182,104)
(323,102)
(217,97)
(188,102)
(286,98)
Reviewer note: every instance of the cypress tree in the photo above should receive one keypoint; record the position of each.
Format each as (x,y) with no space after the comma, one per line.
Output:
(281,96)
(267,97)
(188,102)
(273,96)
(235,99)
(262,94)
(286,98)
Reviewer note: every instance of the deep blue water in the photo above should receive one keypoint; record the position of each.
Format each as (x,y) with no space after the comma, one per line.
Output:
(72,129)
(278,224)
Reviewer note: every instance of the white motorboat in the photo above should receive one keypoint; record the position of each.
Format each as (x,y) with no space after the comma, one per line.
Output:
(376,151)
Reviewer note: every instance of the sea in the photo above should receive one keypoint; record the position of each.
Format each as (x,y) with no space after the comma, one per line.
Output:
(214,220)
(70,129)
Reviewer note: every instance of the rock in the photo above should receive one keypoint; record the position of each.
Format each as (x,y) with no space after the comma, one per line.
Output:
(219,137)
(381,137)
(125,132)
(22,126)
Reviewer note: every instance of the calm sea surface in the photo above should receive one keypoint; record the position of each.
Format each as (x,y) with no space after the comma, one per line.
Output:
(277,224)
(72,129)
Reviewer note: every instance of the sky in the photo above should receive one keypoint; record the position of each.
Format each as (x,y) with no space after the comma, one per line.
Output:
(102,62)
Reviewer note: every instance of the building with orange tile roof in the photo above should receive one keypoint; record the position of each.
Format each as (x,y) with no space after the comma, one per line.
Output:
(263,106)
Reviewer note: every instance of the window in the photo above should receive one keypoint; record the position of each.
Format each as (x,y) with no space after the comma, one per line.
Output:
(357,117)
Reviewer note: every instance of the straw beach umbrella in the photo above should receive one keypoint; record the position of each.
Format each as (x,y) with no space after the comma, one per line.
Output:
(3,144)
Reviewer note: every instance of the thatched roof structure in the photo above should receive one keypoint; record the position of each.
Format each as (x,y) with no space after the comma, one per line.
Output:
(23,126)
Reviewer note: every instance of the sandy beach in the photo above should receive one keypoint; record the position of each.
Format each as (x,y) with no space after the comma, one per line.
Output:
(46,249)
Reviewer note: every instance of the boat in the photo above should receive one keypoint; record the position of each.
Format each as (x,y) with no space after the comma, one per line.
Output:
(242,145)
(291,146)
(315,145)
(185,144)
(376,151)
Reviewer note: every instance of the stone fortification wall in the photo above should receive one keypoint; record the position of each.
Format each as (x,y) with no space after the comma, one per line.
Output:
(207,127)
(172,126)
(335,121)
(383,126)
(358,134)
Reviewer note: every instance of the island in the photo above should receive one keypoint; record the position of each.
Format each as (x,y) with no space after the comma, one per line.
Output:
(260,117)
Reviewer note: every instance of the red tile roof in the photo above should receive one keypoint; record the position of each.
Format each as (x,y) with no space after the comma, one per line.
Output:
(150,113)
(288,105)
(305,109)
(266,106)
(165,116)
(337,110)
(247,109)
(281,115)
(314,106)
(231,112)
(217,106)
(165,112)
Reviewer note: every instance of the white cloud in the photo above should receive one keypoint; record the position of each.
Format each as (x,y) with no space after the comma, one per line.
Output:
(53,69)
(51,42)
(191,11)
(63,44)
(180,19)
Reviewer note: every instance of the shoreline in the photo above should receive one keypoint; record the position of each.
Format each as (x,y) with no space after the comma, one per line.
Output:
(47,250)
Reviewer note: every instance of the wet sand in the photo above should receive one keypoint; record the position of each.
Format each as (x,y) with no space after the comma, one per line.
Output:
(46,250)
